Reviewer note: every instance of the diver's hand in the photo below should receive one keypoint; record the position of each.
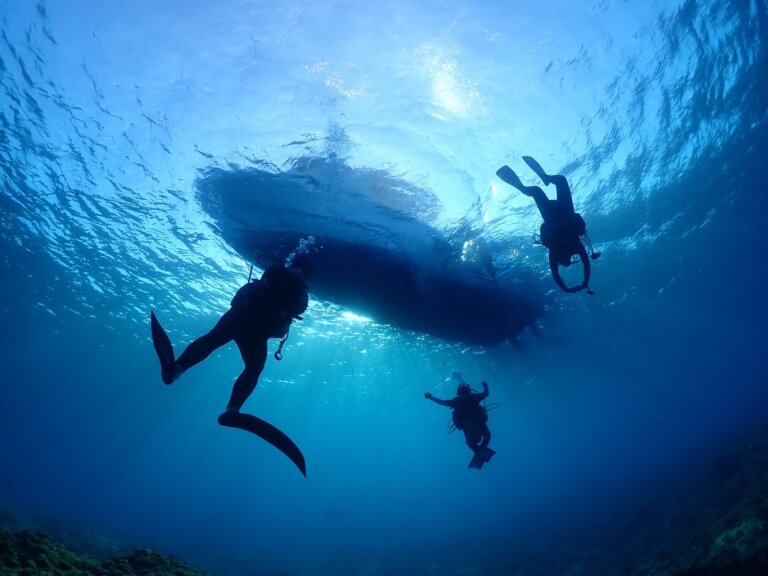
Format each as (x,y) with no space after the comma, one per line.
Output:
(485,384)
(427,395)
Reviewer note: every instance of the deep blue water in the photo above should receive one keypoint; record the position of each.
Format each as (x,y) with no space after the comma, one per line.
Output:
(114,114)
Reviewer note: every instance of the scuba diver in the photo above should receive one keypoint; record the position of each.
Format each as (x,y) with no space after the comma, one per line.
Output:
(471,417)
(562,227)
(261,309)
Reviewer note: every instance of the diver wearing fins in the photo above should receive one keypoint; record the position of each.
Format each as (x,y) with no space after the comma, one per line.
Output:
(562,228)
(260,310)
(471,417)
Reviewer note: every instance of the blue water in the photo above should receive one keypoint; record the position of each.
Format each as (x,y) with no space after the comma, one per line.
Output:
(111,115)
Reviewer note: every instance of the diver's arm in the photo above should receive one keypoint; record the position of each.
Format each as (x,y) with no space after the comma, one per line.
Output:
(429,396)
(587,266)
(553,267)
(484,394)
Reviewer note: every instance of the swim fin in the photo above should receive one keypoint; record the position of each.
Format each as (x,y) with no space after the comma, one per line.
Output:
(476,462)
(164,349)
(486,454)
(508,175)
(265,431)
(536,167)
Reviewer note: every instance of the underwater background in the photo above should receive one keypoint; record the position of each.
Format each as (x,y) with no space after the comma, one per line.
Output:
(123,129)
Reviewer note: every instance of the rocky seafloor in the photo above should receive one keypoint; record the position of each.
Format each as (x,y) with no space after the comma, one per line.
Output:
(30,553)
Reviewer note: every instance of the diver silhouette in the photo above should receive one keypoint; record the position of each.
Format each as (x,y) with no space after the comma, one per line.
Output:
(260,310)
(562,228)
(471,417)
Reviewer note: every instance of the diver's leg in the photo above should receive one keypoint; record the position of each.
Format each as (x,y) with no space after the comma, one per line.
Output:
(564,197)
(482,450)
(486,437)
(254,354)
(542,202)
(201,348)
(508,175)
(472,438)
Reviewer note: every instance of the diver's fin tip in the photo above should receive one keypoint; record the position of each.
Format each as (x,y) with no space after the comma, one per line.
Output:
(508,175)
(536,167)
(164,350)
(267,432)
(476,462)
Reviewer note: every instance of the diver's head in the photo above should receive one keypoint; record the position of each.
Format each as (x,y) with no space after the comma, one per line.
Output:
(463,390)
(301,263)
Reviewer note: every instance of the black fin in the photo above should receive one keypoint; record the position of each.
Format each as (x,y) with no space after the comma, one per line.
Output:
(163,346)
(476,462)
(486,454)
(536,167)
(265,431)
(508,175)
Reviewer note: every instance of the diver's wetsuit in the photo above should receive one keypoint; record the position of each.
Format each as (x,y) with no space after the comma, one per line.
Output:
(260,310)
